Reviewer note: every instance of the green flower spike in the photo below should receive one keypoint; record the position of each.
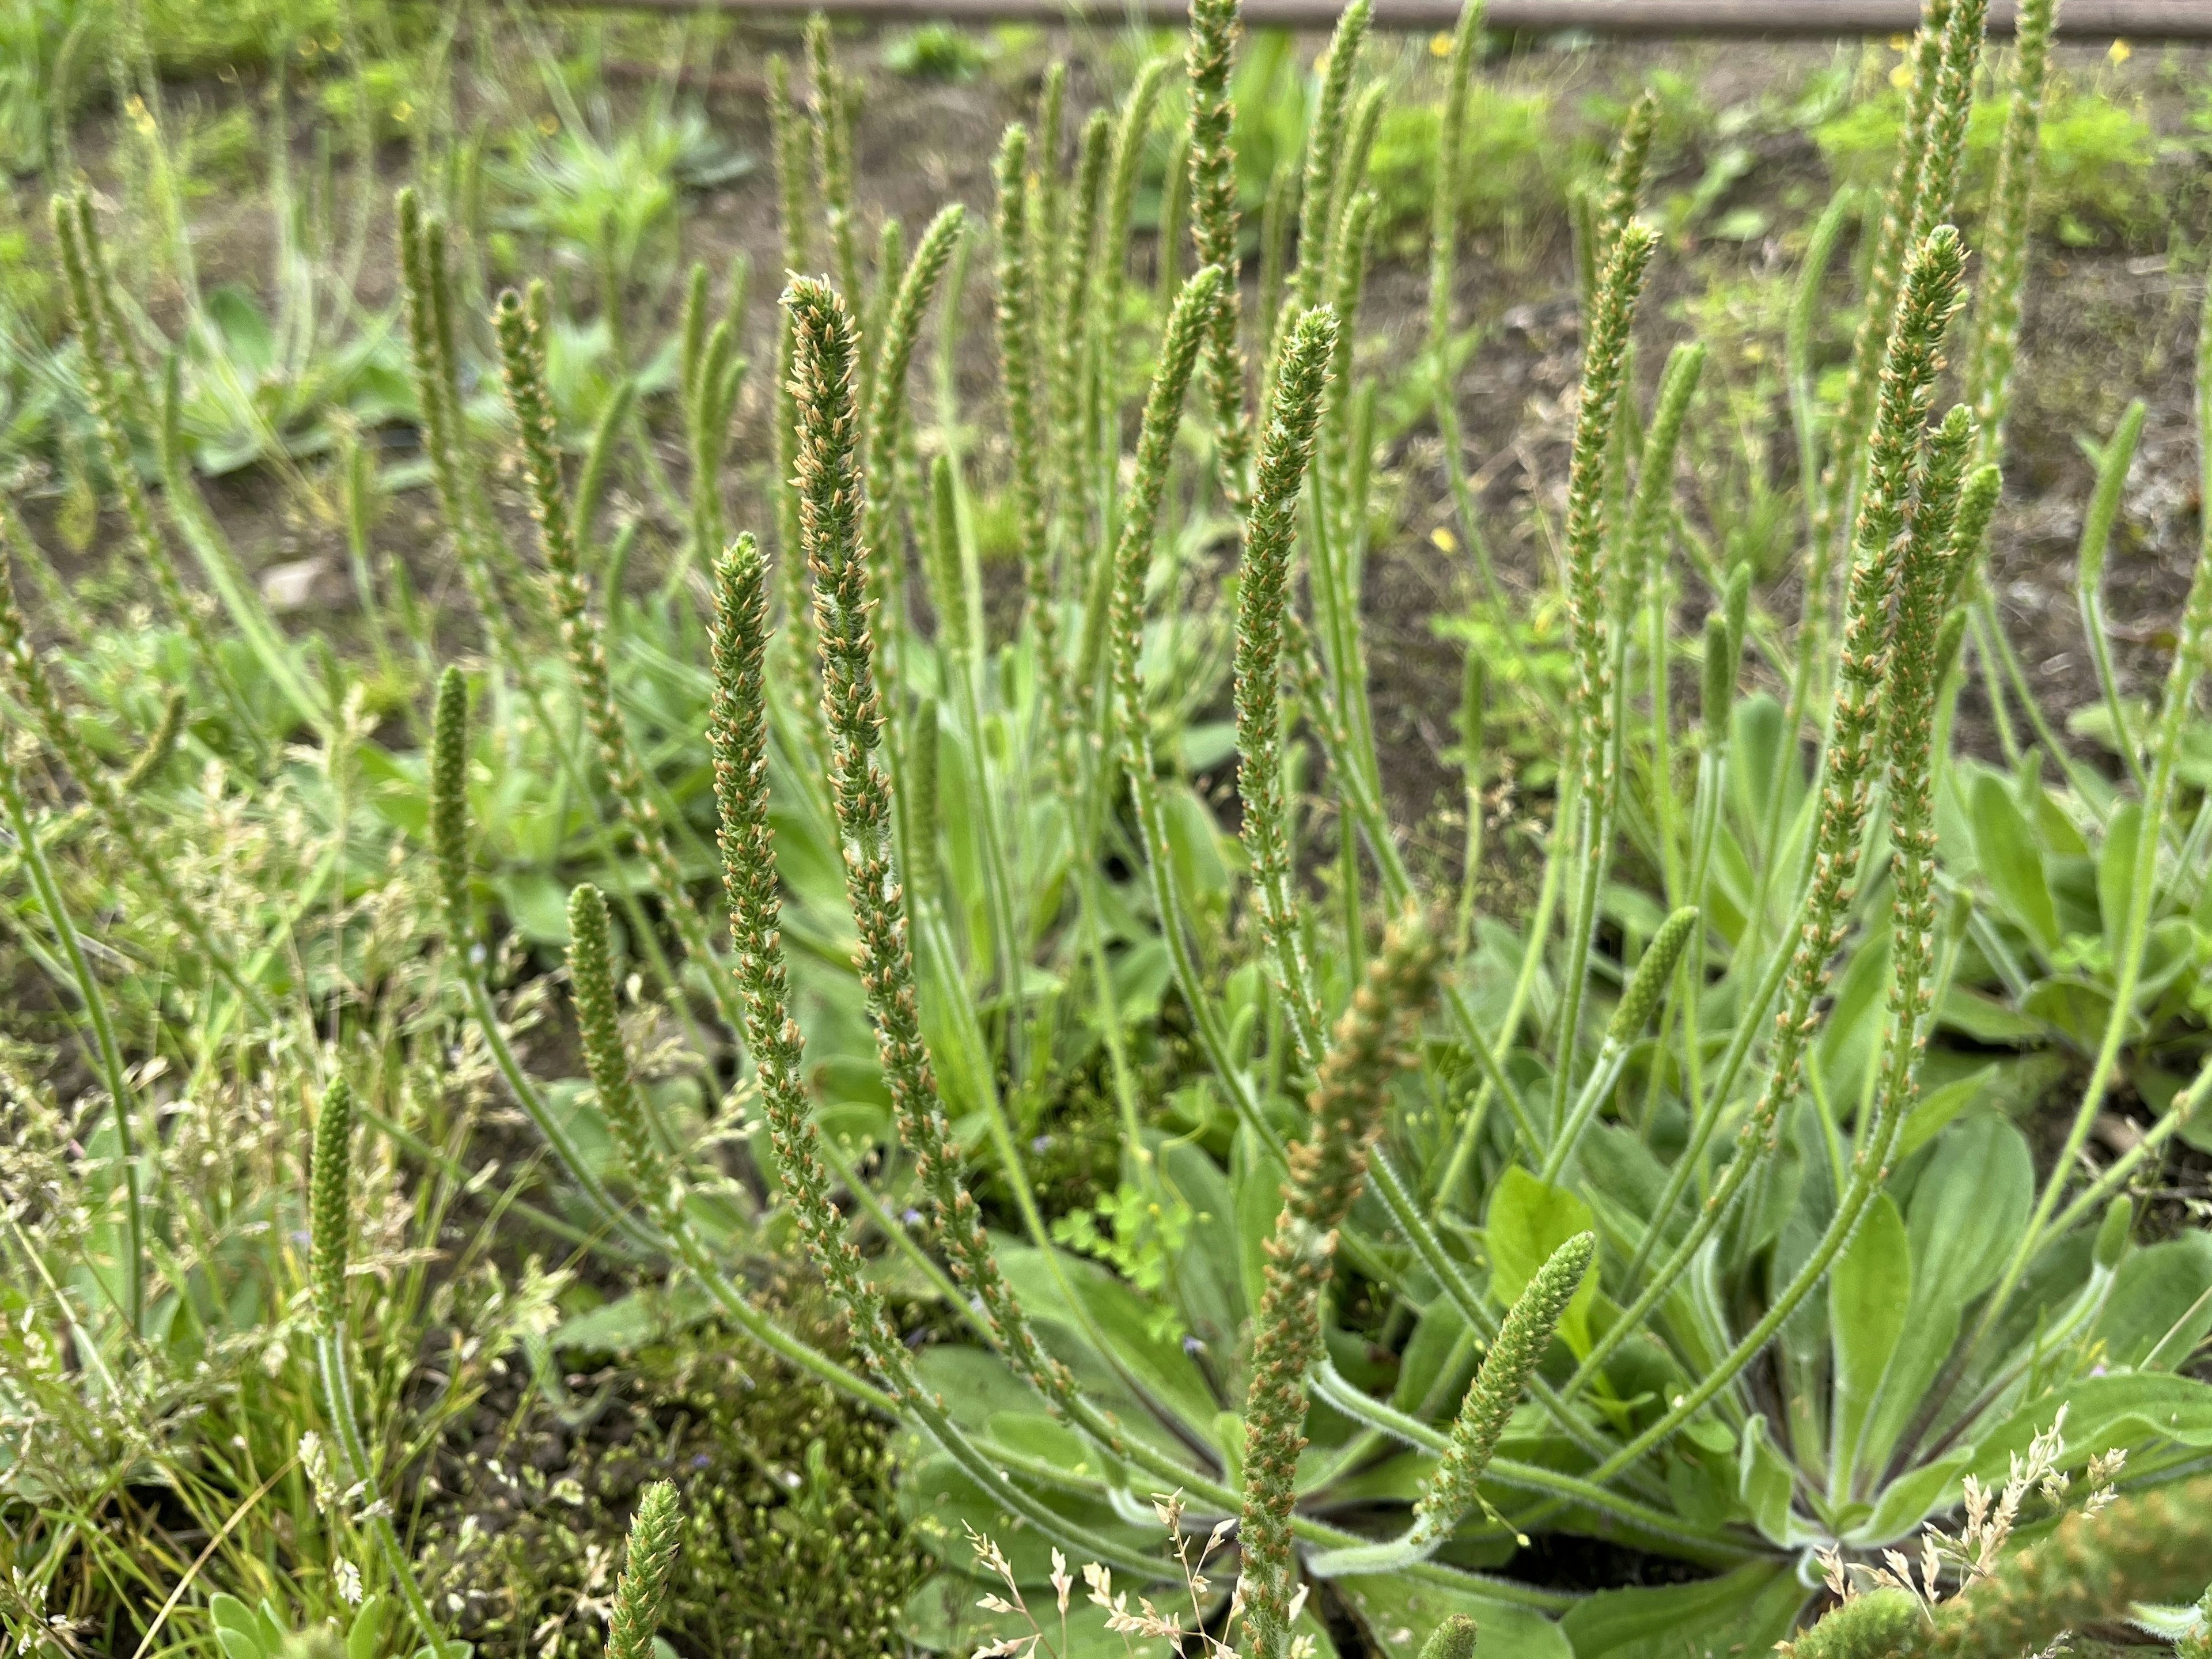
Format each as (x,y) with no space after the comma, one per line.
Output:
(1373,1042)
(634,1618)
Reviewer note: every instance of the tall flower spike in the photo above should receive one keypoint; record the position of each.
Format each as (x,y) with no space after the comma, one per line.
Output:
(1187,331)
(1915,671)
(738,733)
(1325,151)
(1912,363)
(1892,242)
(1453,1488)
(887,410)
(599,1023)
(1624,185)
(522,359)
(449,806)
(1444,203)
(832,502)
(1214,28)
(1129,135)
(1605,359)
(1590,614)
(1018,371)
(108,376)
(1263,589)
(330,1200)
(2004,240)
(635,1619)
(1373,1042)
(1072,340)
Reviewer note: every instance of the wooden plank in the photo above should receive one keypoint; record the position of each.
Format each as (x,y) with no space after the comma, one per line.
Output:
(2079,20)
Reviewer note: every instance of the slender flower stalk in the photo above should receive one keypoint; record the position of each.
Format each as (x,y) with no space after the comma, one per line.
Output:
(2177,706)
(1130,133)
(1453,1486)
(1638,1002)
(448,835)
(1324,157)
(422,260)
(115,381)
(1071,342)
(1894,239)
(108,797)
(1589,619)
(738,730)
(2004,239)
(1624,183)
(1018,360)
(1263,592)
(106,1051)
(1373,1042)
(330,1227)
(832,502)
(1444,213)
(1215,26)
(830,113)
(738,733)
(1913,361)
(634,1619)
(792,142)
(522,356)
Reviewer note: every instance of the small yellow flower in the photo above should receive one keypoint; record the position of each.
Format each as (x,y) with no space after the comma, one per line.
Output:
(141,117)
(1901,77)
(1900,42)
(548,125)
(2120,52)
(1443,540)
(1440,45)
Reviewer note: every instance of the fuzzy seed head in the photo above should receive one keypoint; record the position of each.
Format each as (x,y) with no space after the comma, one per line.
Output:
(330,1199)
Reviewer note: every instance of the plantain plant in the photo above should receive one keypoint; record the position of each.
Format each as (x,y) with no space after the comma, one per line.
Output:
(1674,1213)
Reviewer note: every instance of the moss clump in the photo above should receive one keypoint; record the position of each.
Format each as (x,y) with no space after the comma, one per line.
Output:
(792,1543)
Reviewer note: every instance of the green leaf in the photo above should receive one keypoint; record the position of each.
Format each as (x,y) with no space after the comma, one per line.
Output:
(1529,1219)
(2160,1305)
(1399,1610)
(1765,1484)
(1744,1612)
(2116,873)
(2122,1409)
(365,1636)
(2012,860)
(1909,1500)
(1938,1107)
(237,1628)
(1967,1211)
(1869,1290)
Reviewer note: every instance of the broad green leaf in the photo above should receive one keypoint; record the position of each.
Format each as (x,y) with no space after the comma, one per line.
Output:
(1528,1220)
(1909,1500)
(2010,857)
(1967,1211)
(1402,1611)
(1869,1290)
(236,1628)
(1766,1483)
(1937,1108)
(1744,1612)
(2123,1409)
(2160,1306)
(365,1636)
